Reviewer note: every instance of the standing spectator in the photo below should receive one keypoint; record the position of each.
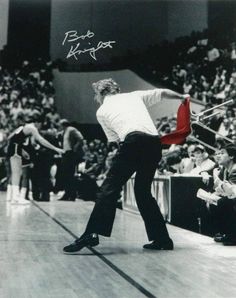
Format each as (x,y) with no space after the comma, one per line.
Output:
(73,148)
(213,54)
(233,54)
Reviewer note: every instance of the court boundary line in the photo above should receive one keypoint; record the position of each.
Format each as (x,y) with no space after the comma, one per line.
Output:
(120,272)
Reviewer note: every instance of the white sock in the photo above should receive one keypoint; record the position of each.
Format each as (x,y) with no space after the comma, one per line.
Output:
(22,196)
(9,192)
(15,193)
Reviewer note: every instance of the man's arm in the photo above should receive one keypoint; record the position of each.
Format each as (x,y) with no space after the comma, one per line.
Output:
(228,187)
(169,94)
(151,97)
(33,131)
(76,140)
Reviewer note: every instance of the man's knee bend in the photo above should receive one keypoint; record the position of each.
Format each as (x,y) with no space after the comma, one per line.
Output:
(108,195)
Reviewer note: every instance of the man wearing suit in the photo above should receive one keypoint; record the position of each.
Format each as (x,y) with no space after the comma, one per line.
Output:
(125,120)
(224,214)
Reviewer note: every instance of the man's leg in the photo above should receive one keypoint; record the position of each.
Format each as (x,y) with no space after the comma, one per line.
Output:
(70,187)
(68,168)
(103,214)
(16,172)
(228,214)
(148,207)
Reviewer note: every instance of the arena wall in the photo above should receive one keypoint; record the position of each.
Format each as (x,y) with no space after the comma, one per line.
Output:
(133,25)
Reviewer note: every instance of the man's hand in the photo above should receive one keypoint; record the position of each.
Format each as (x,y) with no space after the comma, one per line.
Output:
(227,188)
(60,151)
(185,96)
(25,154)
(205,177)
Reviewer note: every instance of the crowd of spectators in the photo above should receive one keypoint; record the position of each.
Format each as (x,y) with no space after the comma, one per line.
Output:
(195,64)
(207,73)
(24,92)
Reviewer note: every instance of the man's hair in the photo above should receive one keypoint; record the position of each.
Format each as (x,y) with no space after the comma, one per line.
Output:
(231,150)
(64,122)
(37,118)
(199,148)
(106,86)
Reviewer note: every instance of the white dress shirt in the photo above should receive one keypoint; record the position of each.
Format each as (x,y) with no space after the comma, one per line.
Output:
(123,113)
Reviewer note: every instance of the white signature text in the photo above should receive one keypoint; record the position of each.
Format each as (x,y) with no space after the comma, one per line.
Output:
(76,48)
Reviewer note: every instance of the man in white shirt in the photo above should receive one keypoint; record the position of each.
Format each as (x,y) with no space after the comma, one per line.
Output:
(125,119)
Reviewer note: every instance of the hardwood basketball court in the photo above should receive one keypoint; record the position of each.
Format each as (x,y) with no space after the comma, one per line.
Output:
(32,263)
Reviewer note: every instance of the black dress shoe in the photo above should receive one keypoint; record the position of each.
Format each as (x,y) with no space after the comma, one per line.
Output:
(155,245)
(88,240)
(45,197)
(219,237)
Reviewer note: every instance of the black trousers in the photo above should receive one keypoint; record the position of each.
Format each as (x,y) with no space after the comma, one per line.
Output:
(40,176)
(224,216)
(138,153)
(68,165)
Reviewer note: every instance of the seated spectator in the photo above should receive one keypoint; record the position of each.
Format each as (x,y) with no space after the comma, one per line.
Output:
(164,126)
(53,116)
(230,113)
(181,73)
(225,129)
(187,86)
(202,162)
(47,102)
(187,163)
(233,129)
(16,110)
(172,163)
(213,53)
(233,53)
(224,214)
(90,164)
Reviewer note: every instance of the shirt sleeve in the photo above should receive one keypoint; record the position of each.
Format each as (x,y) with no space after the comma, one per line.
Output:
(151,97)
(111,135)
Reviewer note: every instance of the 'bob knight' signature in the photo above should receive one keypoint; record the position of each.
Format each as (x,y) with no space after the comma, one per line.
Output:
(75,50)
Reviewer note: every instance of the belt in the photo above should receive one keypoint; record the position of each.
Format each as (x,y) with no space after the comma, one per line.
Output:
(137,133)
(140,133)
